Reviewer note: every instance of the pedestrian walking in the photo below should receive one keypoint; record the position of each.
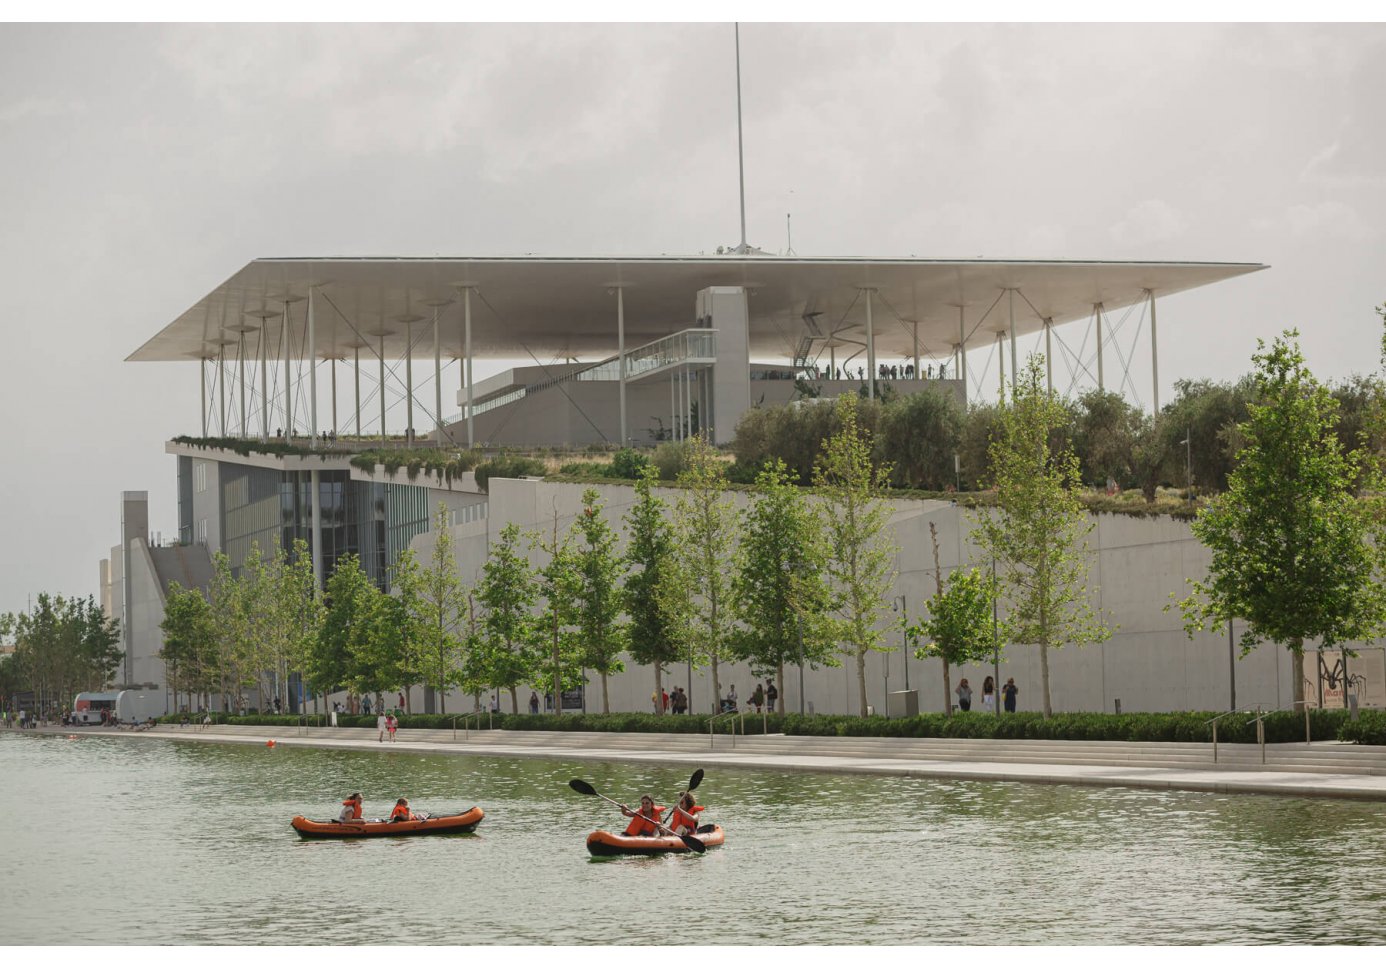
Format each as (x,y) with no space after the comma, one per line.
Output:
(771,695)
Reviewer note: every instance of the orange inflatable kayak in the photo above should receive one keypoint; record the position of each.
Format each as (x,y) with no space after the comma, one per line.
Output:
(601,843)
(459,823)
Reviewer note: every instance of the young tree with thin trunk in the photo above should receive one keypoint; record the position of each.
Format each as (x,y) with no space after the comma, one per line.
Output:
(958,627)
(861,558)
(435,602)
(557,648)
(507,594)
(649,557)
(704,537)
(189,641)
(1292,547)
(780,587)
(597,593)
(342,646)
(1037,531)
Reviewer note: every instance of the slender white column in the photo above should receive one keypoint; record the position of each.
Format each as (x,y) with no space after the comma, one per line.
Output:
(467,352)
(288,376)
(962,352)
(870,349)
(356,355)
(1001,363)
(673,403)
(1015,367)
(409,378)
(202,379)
(1154,358)
(313,394)
(334,394)
(264,378)
(621,354)
(1049,353)
(437,382)
(382,386)
(916,350)
(1097,312)
(240,368)
(221,388)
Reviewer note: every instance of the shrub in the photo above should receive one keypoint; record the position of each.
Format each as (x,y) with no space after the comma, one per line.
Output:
(508,466)
(670,459)
(628,464)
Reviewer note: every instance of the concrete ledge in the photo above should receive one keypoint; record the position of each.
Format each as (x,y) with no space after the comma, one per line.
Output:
(1130,773)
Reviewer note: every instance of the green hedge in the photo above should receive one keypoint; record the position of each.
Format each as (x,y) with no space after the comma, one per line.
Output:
(1281,727)
(1370,728)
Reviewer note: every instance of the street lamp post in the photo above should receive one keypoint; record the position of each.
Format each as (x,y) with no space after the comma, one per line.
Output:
(1188,462)
(901,604)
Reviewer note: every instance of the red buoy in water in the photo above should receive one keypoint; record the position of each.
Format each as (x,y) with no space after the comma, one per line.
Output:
(270,744)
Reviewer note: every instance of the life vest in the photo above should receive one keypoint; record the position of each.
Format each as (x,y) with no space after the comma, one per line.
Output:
(400,812)
(355,808)
(681,822)
(643,826)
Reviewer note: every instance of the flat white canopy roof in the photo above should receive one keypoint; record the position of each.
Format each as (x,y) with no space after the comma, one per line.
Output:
(566,307)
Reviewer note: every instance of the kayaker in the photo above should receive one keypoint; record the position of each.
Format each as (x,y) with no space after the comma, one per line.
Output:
(401,811)
(645,823)
(351,809)
(684,820)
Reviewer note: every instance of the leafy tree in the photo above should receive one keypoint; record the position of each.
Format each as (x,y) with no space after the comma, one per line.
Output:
(380,654)
(650,559)
(61,647)
(189,650)
(1036,534)
(1207,415)
(555,666)
(1289,540)
(959,627)
(234,651)
(597,593)
(1106,432)
(334,658)
(435,605)
(704,531)
(300,608)
(919,434)
(780,587)
(506,593)
(861,554)
(974,462)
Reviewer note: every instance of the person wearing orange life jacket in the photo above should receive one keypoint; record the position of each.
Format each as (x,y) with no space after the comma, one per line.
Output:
(645,823)
(684,819)
(351,809)
(401,811)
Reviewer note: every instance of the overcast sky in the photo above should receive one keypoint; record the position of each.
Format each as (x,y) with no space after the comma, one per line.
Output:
(142,166)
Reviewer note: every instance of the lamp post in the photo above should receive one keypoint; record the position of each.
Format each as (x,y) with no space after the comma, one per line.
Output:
(901,604)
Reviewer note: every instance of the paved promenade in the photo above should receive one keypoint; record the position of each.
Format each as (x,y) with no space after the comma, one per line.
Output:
(1317,770)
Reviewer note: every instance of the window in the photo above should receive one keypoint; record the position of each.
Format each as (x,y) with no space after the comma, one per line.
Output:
(199,476)
(202,531)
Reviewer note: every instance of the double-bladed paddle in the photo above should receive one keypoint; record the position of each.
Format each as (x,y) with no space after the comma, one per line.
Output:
(692,843)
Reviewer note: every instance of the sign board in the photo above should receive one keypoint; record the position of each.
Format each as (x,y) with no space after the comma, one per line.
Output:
(1364,676)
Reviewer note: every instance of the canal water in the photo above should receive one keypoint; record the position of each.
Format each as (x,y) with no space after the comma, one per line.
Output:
(123,841)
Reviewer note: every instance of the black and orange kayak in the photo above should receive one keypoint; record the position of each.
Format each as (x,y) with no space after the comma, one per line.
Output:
(457,823)
(602,843)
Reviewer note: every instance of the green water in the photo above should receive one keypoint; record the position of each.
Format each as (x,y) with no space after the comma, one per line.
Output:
(126,841)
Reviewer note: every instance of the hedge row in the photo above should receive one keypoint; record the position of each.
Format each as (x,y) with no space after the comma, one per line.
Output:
(1187,727)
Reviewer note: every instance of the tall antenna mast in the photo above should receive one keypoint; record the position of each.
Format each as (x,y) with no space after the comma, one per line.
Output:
(740,148)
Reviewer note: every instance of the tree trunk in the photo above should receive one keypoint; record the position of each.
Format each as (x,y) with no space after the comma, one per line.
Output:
(1297,650)
(861,678)
(1044,677)
(659,689)
(716,688)
(947,688)
(515,701)
(779,696)
(606,699)
(557,680)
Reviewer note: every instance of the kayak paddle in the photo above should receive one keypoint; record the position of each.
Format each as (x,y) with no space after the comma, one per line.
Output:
(586,789)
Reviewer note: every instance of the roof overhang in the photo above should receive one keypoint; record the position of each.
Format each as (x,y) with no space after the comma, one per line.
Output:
(546,308)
